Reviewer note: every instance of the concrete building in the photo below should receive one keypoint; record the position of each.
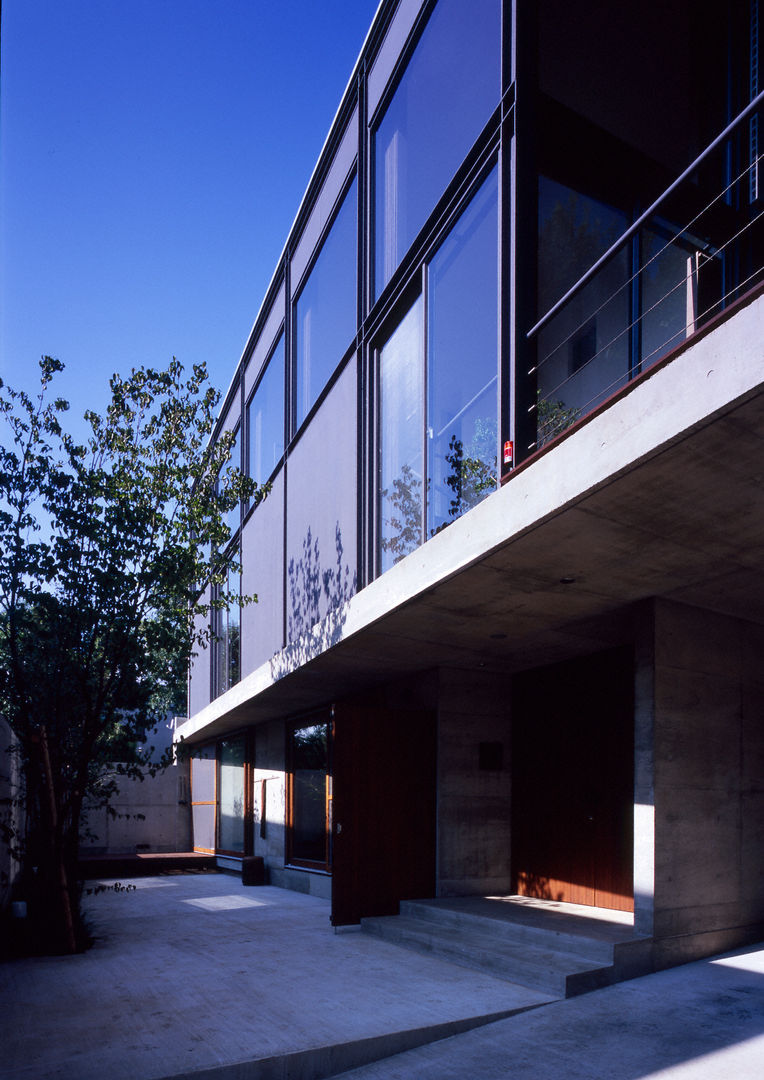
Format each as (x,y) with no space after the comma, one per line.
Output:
(506,385)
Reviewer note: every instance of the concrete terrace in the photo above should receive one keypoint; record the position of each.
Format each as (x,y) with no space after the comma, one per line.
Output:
(195,975)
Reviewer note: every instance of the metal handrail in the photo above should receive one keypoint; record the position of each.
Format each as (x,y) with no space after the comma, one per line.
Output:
(632,229)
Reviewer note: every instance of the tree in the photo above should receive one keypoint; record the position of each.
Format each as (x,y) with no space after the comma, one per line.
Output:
(112,556)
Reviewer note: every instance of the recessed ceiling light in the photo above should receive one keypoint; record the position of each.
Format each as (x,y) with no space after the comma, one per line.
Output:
(567,580)
(497,637)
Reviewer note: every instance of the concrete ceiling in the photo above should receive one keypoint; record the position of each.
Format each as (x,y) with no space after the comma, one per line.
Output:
(687,524)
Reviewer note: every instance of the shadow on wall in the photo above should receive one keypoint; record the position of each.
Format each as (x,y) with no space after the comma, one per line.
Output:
(318,599)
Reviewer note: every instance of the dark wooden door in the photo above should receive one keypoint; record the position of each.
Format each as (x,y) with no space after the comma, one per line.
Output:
(383,810)
(573,781)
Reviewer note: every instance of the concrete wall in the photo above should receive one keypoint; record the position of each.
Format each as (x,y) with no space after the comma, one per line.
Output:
(708,782)
(152,815)
(474,804)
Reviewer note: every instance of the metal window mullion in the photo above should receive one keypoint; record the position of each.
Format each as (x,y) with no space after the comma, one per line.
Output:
(425,401)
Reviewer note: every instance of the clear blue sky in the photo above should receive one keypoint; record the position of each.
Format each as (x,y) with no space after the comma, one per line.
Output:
(153,154)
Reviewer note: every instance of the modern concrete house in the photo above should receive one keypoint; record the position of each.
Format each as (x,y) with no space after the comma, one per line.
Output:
(507,386)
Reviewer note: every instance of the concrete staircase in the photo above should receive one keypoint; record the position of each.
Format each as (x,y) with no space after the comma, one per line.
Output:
(559,949)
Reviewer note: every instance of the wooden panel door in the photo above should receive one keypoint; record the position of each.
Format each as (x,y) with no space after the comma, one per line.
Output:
(383,810)
(573,781)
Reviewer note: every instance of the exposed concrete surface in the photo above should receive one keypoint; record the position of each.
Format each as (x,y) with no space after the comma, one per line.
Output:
(199,975)
(703,1021)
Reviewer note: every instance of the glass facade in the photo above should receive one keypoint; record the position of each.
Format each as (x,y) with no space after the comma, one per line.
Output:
(401,453)
(462,362)
(447,93)
(231,794)
(326,310)
(233,517)
(226,649)
(265,419)
(456,422)
(584,351)
(308,797)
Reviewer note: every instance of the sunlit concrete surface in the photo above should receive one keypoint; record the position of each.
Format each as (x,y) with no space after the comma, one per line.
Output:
(702,1021)
(198,975)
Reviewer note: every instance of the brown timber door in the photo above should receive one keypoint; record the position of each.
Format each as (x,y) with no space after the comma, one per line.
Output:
(573,781)
(383,810)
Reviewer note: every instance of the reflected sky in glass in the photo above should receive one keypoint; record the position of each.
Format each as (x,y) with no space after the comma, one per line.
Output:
(327,308)
(449,90)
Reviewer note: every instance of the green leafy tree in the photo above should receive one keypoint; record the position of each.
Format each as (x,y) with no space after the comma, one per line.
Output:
(112,555)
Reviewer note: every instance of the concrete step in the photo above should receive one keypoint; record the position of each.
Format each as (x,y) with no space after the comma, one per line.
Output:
(559,973)
(594,949)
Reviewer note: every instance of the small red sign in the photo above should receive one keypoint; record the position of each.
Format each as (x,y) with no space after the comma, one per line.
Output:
(508,453)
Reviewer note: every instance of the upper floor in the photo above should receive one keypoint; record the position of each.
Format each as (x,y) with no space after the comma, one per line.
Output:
(520,209)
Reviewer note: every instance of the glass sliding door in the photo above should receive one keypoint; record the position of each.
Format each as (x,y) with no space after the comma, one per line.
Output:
(401,421)
(437,372)
(462,362)
(232,795)
(309,791)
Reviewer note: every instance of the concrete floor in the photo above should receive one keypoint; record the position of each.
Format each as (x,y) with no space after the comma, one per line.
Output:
(199,976)
(196,974)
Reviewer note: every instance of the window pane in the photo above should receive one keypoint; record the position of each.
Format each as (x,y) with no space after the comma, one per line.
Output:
(231,795)
(226,648)
(669,294)
(233,633)
(327,308)
(463,348)
(233,517)
(309,772)
(449,90)
(583,353)
(401,422)
(265,419)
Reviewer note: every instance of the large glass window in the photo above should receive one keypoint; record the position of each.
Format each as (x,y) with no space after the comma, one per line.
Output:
(231,794)
(203,798)
(455,425)
(308,841)
(462,356)
(226,646)
(265,419)
(584,351)
(326,310)
(401,419)
(449,90)
(233,517)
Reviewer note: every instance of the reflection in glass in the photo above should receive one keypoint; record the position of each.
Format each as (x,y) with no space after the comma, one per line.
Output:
(669,284)
(326,310)
(233,517)
(203,798)
(310,763)
(227,643)
(265,419)
(463,348)
(450,88)
(401,421)
(583,353)
(231,795)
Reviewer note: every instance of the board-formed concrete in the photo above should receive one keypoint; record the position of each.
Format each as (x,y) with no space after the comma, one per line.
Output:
(199,975)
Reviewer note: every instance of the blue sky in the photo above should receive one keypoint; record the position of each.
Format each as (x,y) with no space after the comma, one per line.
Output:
(153,154)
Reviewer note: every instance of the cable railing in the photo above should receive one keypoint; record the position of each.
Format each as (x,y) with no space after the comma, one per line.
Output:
(696,249)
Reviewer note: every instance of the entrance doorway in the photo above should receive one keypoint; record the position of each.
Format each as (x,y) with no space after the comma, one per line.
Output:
(383,810)
(573,781)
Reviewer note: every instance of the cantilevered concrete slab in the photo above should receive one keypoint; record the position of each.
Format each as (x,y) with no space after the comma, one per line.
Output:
(661,493)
